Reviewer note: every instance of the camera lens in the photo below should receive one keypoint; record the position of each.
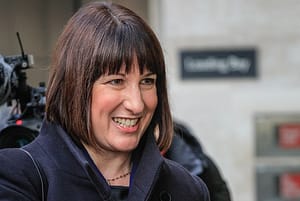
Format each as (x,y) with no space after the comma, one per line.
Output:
(16,136)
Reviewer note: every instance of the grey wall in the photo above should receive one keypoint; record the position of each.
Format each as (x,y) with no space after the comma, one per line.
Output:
(222,111)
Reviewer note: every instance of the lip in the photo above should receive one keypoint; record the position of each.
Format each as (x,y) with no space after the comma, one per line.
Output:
(128,129)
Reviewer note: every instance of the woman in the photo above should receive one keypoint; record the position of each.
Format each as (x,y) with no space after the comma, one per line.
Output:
(106,96)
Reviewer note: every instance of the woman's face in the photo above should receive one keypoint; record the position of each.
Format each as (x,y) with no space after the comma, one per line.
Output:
(122,108)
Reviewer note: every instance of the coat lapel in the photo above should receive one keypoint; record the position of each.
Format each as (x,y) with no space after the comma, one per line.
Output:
(147,170)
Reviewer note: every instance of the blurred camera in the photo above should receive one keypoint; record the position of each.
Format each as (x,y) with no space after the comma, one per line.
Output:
(26,103)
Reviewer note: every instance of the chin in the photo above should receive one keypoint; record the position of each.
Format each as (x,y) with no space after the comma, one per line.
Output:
(126,146)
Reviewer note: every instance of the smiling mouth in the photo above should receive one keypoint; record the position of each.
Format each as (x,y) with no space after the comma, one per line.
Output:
(124,122)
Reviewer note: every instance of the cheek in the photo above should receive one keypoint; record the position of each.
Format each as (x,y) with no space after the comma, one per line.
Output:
(102,102)
(151,100)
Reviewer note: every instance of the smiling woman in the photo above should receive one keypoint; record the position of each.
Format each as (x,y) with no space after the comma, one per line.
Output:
(106,97)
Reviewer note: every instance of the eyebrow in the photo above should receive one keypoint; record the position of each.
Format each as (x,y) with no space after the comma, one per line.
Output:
(149,74)
(124,74)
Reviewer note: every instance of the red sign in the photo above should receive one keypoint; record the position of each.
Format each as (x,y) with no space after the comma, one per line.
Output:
(289,136)
(290,185)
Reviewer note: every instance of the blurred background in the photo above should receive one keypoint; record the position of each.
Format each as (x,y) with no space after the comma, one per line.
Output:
(234,78)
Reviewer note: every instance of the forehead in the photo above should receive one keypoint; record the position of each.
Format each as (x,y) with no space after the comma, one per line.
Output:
(127,66)
(133,67)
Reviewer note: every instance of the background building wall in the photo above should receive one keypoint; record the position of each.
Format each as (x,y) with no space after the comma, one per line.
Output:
(221,111)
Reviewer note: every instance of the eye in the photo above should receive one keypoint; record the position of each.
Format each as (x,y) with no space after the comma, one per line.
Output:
(116,82)
(148,83)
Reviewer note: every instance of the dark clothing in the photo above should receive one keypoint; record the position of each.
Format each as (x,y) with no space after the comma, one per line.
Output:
(68,174)
(119,193)
(187,151)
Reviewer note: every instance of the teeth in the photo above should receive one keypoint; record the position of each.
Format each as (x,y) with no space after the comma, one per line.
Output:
(125,122)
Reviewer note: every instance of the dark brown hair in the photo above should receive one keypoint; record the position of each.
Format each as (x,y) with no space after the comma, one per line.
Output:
(98,39)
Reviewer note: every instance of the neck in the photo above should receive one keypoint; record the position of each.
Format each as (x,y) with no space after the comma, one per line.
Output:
(114,166)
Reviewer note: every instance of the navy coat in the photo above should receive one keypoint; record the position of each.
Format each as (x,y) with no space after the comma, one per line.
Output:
(69,176)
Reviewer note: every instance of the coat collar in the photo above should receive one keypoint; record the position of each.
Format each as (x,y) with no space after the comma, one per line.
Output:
(146,165)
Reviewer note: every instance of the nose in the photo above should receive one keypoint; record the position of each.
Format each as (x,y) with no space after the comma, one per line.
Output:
(134,101)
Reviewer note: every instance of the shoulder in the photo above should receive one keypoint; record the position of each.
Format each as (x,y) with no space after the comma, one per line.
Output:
(181,183)
(13,160)
(172,168)
(17,178)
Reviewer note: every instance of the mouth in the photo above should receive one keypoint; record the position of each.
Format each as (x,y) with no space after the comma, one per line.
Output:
(126,122)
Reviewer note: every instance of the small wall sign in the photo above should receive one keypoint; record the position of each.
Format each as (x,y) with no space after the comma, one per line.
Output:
(225,63)
(289,136)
